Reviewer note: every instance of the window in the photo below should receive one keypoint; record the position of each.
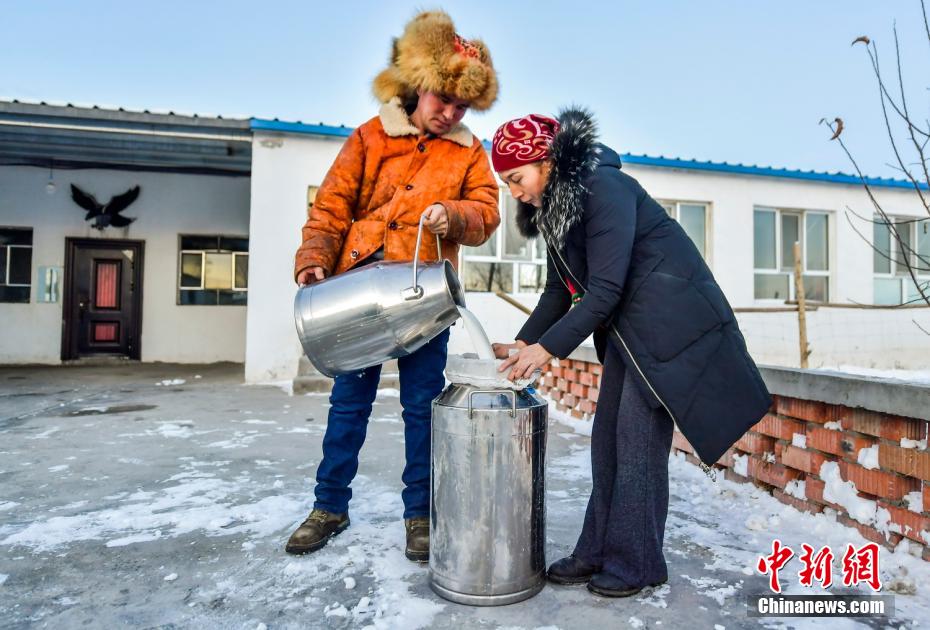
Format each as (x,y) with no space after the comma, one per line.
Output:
(213,270)
(892,283)
(507,261)
(15,264)
(775,231)
(693,219)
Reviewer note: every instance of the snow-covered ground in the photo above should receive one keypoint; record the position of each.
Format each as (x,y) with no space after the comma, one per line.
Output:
(163,495)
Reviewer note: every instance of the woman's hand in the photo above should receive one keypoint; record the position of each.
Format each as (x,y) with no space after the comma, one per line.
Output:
(524,362)
(437,219)
(502,350)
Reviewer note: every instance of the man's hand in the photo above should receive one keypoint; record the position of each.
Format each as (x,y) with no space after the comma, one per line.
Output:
(310,275)
(437,219)
(524,362)
(502,350)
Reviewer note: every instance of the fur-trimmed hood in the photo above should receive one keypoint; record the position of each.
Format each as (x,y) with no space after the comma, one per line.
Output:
(574,155)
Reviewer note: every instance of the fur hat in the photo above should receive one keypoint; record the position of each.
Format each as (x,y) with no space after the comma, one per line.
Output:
(431,56)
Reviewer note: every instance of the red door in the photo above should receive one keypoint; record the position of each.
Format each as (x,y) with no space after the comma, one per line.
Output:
(103,298)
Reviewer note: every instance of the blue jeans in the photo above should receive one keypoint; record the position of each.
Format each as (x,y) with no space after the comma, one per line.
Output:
(421,380)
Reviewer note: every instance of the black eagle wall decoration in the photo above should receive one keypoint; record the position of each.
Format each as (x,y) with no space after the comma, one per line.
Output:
(105,215)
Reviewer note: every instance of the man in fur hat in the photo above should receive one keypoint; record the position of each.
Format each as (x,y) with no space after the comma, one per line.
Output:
(415,157)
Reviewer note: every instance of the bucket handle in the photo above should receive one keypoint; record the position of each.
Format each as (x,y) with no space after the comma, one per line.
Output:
(415,291)
(513,400)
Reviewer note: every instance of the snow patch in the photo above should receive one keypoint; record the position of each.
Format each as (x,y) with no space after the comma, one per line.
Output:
(918,444)
(7,505)
(171,577)
(796,488)
(634,622)
(833,425)
(799,440)
(169,382)
(349,583)
(741,465)
(915,501)
(868,457)
(844,493)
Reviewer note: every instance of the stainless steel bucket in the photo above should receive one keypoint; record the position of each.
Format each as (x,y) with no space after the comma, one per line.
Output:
(487,500)
(370,315)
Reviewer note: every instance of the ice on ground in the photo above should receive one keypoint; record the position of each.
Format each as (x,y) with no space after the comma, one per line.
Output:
(349,582)
(171,577)
(7,505)
(169,382)
(635,622)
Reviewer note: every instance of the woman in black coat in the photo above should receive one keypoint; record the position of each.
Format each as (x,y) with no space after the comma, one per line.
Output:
(621,269)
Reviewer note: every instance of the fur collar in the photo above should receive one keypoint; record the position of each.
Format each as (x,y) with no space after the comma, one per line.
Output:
(397,123)
(573,156)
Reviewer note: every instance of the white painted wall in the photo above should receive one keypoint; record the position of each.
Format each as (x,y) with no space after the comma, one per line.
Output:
(169,205)
(283,166)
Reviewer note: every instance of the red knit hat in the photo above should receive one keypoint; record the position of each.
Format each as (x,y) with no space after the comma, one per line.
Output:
(522,141)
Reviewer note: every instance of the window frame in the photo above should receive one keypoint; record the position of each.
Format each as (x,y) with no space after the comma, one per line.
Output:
(779,268)
(203,265)
(904,281)
(675,205)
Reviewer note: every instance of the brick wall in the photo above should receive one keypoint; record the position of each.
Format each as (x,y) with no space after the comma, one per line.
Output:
(793,441)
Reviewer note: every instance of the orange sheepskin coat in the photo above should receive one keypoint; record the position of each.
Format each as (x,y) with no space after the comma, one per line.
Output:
(385,176)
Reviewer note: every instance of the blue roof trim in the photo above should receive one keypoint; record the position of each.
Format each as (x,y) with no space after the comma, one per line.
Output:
(260,124)
(765,171)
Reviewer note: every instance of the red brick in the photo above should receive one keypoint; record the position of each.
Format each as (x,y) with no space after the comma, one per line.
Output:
(912,524)
(907,461)
(562,384)
(726,460)
(570,375)
(587,407)
(680,442)
(586,378)
(593,393)
(886,426)
(731,475)
(581,366)
(577,413)
(878,482)
(771,473)
(756,443)
(802,459)
(779,448)
(926,500)
(569,401)
(596,368)
(777,427)
(870,533)
(806,409)
(579,390)
(796,503)
(839,443)
(556,371)
(548,381)
(565,363)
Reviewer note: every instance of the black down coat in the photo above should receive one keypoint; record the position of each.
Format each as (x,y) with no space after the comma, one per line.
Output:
(645,288)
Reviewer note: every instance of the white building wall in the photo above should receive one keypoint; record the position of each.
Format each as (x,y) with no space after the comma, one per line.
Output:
(283,166)
(170,204)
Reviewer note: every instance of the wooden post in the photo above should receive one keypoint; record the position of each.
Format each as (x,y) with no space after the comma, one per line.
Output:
(802,312)
(513,302)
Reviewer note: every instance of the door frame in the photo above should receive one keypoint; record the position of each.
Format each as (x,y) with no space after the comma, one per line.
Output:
(69,333)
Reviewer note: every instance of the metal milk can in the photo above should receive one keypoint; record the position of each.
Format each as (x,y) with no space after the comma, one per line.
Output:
(372,314)
(487,500)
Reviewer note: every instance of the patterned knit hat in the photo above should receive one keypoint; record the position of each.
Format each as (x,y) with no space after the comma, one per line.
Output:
(431,56)
(522,141)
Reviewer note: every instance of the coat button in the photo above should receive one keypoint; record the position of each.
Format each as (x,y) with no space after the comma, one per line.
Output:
(408,187)
(393,225)
(354,253)
(421,147)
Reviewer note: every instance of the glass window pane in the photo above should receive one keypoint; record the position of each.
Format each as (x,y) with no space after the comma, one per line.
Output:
(197,297)
(923,247)
(816,288)
(14,236)
(764,239)
(541,252)
(887,290)
(913,294)
(191,270)
(515,244)
(217,273)
(14,294)
(817,236)
(242,271)
(487,276)
(693,219)
(234,244)
(771,286)
(236,298)
(20,265)
(790,234)
(903,247)
(532,278)
(881,240)
(200,242)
